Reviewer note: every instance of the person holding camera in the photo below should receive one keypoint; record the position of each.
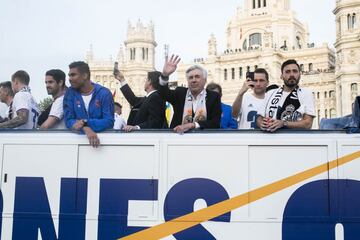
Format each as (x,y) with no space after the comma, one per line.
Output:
(247,103)
(146,112)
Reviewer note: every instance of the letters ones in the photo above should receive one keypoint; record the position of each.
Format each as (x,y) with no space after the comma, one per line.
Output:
(311,212)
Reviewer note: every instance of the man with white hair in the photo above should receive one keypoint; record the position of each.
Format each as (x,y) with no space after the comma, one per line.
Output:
(194,106)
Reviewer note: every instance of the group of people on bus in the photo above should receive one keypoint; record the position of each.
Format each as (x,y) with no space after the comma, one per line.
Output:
(88,107)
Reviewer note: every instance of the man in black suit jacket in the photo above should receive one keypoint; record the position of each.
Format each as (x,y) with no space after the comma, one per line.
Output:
(146,112)
(189,99)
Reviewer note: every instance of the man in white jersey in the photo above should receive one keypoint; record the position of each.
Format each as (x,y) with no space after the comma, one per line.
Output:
(247,103)
(6,98)
(289,106)
(55,86)
(24,108)
(120,122)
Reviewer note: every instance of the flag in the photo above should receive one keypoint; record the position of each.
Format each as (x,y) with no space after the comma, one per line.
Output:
(168,113)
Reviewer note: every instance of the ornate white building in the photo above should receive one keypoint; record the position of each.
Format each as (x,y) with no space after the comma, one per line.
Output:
(135,63)
(264,33)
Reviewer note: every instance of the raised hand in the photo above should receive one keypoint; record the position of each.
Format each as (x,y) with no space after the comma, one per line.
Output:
(170,65)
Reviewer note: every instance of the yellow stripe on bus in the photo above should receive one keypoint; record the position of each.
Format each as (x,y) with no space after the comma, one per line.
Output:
(192,219)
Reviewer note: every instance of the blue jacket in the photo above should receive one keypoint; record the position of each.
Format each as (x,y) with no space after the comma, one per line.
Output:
(227,121)
(101,108)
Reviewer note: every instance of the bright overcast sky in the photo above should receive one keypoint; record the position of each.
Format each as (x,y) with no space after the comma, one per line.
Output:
(37,35)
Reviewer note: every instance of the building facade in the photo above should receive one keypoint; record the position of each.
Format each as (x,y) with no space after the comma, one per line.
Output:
(135,61)
(264,33)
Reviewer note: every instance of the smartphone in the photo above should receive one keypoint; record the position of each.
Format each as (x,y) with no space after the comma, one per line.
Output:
(250,77)
(116,68)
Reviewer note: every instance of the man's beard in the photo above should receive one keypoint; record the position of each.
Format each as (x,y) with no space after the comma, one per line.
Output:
(292,84)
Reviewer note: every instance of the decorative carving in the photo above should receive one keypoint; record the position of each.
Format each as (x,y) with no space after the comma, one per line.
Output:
(352,57)
(268,39)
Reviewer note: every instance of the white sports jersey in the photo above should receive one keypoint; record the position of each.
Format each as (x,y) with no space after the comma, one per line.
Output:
(250,106)
(3,110)
(24,100)
(57,111)
(120,122)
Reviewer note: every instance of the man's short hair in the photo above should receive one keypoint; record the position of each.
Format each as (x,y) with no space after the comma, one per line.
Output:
(197,67)
(7,85)
(213,87)
(153,77)
(81,66)
(57,75)
(21,76)
(263,71)
(116,104)
(288,62)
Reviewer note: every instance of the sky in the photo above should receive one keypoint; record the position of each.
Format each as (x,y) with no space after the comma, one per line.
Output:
(39,35)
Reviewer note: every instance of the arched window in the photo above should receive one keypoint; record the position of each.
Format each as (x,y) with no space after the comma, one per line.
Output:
(332,94)
(302,67)
(256,67)
(310,67)
(354,87)
(143,53)
(259,3)
(353,21)
(233,73)
(248,69)
(132,53)
(325,94)
(147,54)
(332,113)
(255,39)
(254,4)
(298,42)
(318,95)
(326,113)
(264,3)
(240,72)
(225,74)
(245,44)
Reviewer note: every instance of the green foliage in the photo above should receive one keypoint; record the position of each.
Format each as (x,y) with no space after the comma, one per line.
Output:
(45,103)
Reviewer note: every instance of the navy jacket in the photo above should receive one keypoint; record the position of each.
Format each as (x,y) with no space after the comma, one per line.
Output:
(101,108)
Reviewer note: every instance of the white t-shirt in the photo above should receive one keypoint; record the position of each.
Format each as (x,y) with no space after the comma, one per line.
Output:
(250,106)
(306,99)
(3,110)
(86,99)
(24,100)
(120,122)
(58,112)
